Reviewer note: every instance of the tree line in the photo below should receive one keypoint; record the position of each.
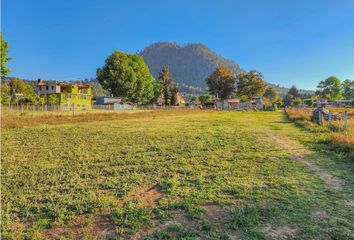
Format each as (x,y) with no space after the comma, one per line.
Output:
(223,85)
(331,88)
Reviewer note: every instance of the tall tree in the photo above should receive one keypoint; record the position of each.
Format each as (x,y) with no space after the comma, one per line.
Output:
(127,76)
(288,99)
(330,88)
(221,82)
(10,88)
(294,91)
(271,93)
(4,59)
(348,89)
(5,92)
(168,88)
(19,86)
(174,91)
(250,84)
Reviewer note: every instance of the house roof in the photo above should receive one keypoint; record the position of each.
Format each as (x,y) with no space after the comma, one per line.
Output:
(63,84)
(117,102)
(108,97)
(235,100)
(180,94)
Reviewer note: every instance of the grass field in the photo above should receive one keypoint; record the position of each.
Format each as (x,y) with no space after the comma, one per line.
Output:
(195,175)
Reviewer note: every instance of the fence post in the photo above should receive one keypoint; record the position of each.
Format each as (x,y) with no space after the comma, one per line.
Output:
(345,120)
(320,117)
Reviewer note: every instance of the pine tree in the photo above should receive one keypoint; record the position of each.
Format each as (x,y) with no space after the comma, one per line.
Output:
(167,87)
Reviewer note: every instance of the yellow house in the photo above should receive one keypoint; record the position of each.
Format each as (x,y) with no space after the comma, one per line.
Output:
(68,96)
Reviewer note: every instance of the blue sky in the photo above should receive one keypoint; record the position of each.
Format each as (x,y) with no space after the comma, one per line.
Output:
(291,42)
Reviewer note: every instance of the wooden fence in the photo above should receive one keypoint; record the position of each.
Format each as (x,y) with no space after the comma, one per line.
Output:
(333,118)
(27,108)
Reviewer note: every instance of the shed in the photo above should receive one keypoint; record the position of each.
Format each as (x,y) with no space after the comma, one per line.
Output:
(105,100)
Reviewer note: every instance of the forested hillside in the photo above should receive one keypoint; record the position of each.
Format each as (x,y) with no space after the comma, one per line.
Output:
(189,64)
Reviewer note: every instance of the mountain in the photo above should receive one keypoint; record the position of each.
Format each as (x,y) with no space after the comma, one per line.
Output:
(189,64)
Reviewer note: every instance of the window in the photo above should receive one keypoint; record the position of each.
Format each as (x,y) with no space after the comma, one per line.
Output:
(83,106)
(78,106)
(69,95)
(46,88)
(52,87)
(84,97)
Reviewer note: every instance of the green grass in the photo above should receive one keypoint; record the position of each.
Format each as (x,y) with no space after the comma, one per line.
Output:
(51,175)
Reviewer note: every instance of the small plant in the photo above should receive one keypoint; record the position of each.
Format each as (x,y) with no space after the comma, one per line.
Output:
(131,218)
(245,217)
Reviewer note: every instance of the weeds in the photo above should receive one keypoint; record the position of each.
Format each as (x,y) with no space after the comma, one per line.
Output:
(339,139)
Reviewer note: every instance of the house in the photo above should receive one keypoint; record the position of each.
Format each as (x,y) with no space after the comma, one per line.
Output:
(227,104)
(113,103)
(256,103)
(180,99)
(68,96)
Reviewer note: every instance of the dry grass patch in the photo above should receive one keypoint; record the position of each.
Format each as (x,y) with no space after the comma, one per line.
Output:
(98,227)
(16,121)
(147,196)
(279,232)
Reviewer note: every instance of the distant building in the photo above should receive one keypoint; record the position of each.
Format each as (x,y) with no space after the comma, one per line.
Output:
(258,102)
(257,99)
(227,104)
(68,96)
(343,103)
(106,100)
(113,103)
(180,99)
(322,102)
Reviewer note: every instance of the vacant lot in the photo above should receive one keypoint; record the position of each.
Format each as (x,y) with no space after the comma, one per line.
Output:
(201,175)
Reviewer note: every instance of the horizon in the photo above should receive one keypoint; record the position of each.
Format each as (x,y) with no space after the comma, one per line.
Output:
(290,43)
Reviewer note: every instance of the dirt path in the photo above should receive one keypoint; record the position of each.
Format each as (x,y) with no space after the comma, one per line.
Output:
(301,155)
